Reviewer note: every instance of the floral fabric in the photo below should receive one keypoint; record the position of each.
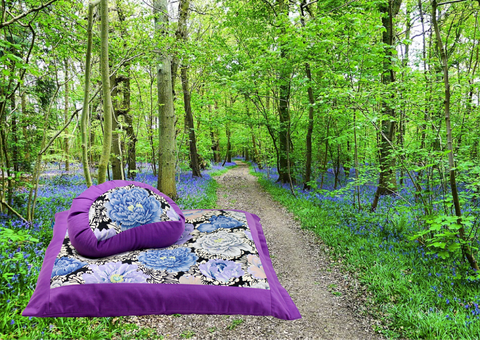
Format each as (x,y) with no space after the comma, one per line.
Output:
(215,249)
(127,207)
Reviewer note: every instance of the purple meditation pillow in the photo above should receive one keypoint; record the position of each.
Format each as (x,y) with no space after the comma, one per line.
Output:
(119,216)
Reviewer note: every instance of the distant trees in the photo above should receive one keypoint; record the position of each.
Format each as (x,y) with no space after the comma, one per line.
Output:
(386,90)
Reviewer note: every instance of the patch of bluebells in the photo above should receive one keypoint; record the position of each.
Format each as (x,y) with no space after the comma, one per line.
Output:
(57,189)
(385,233)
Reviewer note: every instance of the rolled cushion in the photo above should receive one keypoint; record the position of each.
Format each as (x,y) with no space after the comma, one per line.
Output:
(120,216)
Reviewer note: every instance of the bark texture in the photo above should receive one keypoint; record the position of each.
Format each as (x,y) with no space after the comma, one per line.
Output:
(167,144)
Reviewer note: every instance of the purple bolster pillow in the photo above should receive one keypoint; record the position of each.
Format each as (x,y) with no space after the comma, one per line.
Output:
(119,216)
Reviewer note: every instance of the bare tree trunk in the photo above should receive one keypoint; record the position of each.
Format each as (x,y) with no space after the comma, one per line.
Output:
(125,107)
(15,158)
(215,147)
(181,35)
(311,101)
(116,154)
(283,104)
(357,187)
(192,139)
(387,182)
(167,143)
(84,121)
(65,115)
(214,138)
(229,146)
(150,130)
(107,100)
(228,156)
(467,251)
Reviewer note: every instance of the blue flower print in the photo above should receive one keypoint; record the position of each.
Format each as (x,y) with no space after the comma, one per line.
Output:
(115,272)
(132,207)
(221,270)
(171,260)
(66,265)
(186,234)
(217,222)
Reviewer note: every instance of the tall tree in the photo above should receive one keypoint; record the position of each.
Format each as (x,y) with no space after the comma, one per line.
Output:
(387,182)
(107,100)
(189,126)
(284,98)
(167,143)
(466,250)
(84,119)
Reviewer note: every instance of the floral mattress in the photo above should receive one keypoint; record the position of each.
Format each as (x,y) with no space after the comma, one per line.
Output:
(219,265)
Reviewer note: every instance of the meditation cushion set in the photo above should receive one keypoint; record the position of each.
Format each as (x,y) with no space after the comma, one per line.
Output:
(124,248)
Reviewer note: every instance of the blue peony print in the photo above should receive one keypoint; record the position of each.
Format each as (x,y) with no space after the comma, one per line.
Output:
(217,222)
(186,234)
(222,243)
(171,260)
(115,272)
(132,207)
(221,270)
(66,265)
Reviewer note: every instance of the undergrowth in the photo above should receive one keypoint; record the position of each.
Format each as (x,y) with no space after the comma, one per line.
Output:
(22,247)
(415,294)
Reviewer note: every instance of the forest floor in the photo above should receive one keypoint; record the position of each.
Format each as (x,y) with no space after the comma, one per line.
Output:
(330,305)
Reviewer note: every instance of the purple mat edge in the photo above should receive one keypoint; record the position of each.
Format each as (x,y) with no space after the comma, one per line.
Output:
(101,300)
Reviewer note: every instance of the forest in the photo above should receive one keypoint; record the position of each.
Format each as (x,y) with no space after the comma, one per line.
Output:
(360,116)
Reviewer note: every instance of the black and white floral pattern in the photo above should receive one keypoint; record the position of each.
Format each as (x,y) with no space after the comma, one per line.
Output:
(222,254)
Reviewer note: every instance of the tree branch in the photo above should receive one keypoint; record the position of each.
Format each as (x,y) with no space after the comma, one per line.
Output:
(450,2)
(24,14)
(5,204)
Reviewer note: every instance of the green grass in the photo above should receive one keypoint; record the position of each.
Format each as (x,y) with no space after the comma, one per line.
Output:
(413,294)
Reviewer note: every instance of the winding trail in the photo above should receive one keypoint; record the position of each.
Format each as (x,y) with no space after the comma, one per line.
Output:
(302,268)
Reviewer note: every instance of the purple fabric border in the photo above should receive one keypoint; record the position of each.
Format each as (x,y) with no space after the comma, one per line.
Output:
(152,235)
(116,299)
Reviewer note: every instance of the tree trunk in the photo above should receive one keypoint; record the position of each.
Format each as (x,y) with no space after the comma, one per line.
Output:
(116,154)
(192,139)
(467,251)
(107,100)
(387,182)
(215,147)
(181,35)
(150,130)
(229,146)
(167,143)
(125,106)
(65,115)
(15,156)
(311,101)
(283,111)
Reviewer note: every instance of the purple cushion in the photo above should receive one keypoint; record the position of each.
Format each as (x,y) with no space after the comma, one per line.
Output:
(119,216)
(220,265)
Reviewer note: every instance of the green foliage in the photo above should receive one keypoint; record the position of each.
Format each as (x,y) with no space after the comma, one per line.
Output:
(235,323)
(412,293)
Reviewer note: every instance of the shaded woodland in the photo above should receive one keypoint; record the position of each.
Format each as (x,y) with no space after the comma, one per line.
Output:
(381,93)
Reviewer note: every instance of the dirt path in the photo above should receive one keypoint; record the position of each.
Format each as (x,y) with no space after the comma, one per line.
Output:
(301,268)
